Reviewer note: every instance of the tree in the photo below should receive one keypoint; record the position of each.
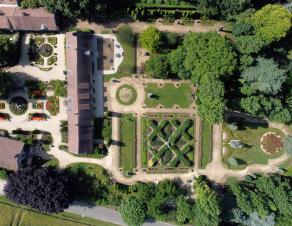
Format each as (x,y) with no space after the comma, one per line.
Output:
(265,77)
(184,212)
(133,211)
(30,4)
(150,39)
(7,49)
(60,88)
(210,101)
(208,55)
(176,61)
(233,161)
(158,67)
(233,7)
(207,207)
(208,8)
(7,84)
(271,23)
(75,9)
(249,44)
(44,189)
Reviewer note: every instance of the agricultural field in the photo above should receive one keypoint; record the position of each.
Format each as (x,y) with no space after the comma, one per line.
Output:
(168,142)
(12,214)
(249,134)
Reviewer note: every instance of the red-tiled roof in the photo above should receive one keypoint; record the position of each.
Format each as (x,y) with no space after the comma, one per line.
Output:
(8,2)
(14,18)
(9,151)
(79,73)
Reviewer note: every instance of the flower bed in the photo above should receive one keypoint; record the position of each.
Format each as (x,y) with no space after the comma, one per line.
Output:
(52,60)
(37,117)
(271,143)
(52,105)
(126,95)
(45,50)
(38,105)
(53,40)
(4,117)
(2,105)
(18,105)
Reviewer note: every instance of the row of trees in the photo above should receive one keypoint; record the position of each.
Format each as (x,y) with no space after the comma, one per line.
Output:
(210,60)
(263,200)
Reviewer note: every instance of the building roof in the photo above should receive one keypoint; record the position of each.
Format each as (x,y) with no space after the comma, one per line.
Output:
(9,2)
(9,151)
(15,18)
(79,73)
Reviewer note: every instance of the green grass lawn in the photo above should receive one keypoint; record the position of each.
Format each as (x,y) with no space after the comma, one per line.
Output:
(169,95)
(206,144)
(249,134)
(128,145)
(13,214)
(128,66)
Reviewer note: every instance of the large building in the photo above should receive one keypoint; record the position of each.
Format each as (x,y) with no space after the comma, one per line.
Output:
(11,153)
(13,18)
(79,100)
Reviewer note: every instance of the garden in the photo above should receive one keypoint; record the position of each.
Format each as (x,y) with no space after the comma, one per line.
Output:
(18,105)
(126,94)
(250,143)
(41,51)
(127,158)
(168,142)
(206,144)
(127,39)
(168,95)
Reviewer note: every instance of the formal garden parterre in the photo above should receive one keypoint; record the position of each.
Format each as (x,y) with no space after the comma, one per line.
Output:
(167,142)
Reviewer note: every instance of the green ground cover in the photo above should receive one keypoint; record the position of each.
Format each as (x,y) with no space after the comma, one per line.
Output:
(128,41)
(169,95)
(206,144)
(13,214)
(167,143)
(128,142)
(249,134)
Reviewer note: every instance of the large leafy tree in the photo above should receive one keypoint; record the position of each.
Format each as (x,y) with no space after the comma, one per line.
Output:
(133,211)
(249,44)
(7,49)
(158,67)
(75,8)
(208,55)
(210,100)
(233,7)
(184,210)
(150,39)
(207,208)
(7,84)
(44,189)
(176,60)
(271,23)
(265,77)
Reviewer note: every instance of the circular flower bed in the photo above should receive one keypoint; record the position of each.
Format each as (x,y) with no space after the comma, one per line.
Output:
(45,50)
(271,143)
(126,94)
(18,105)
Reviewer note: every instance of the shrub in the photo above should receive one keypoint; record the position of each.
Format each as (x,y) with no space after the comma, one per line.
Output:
(233,161)
(3,174)
(126,35)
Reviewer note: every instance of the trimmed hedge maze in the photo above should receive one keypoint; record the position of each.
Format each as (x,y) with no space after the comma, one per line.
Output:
(168,143)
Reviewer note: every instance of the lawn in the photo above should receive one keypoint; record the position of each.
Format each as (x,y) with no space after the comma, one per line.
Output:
(12,214)
(128,66)
(206,144)
(250,135)
(169,95)
(128,143)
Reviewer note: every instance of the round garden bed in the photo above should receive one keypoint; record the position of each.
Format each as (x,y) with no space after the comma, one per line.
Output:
(18,105)
(126,94)
(46,50)
(271,143)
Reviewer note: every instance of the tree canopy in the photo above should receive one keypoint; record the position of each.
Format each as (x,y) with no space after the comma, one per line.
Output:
(158,66)
(266,77)
(133,211)
(208,55)
(8,49)
(271,23)
(150,39)
(44,189)
(7,84)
